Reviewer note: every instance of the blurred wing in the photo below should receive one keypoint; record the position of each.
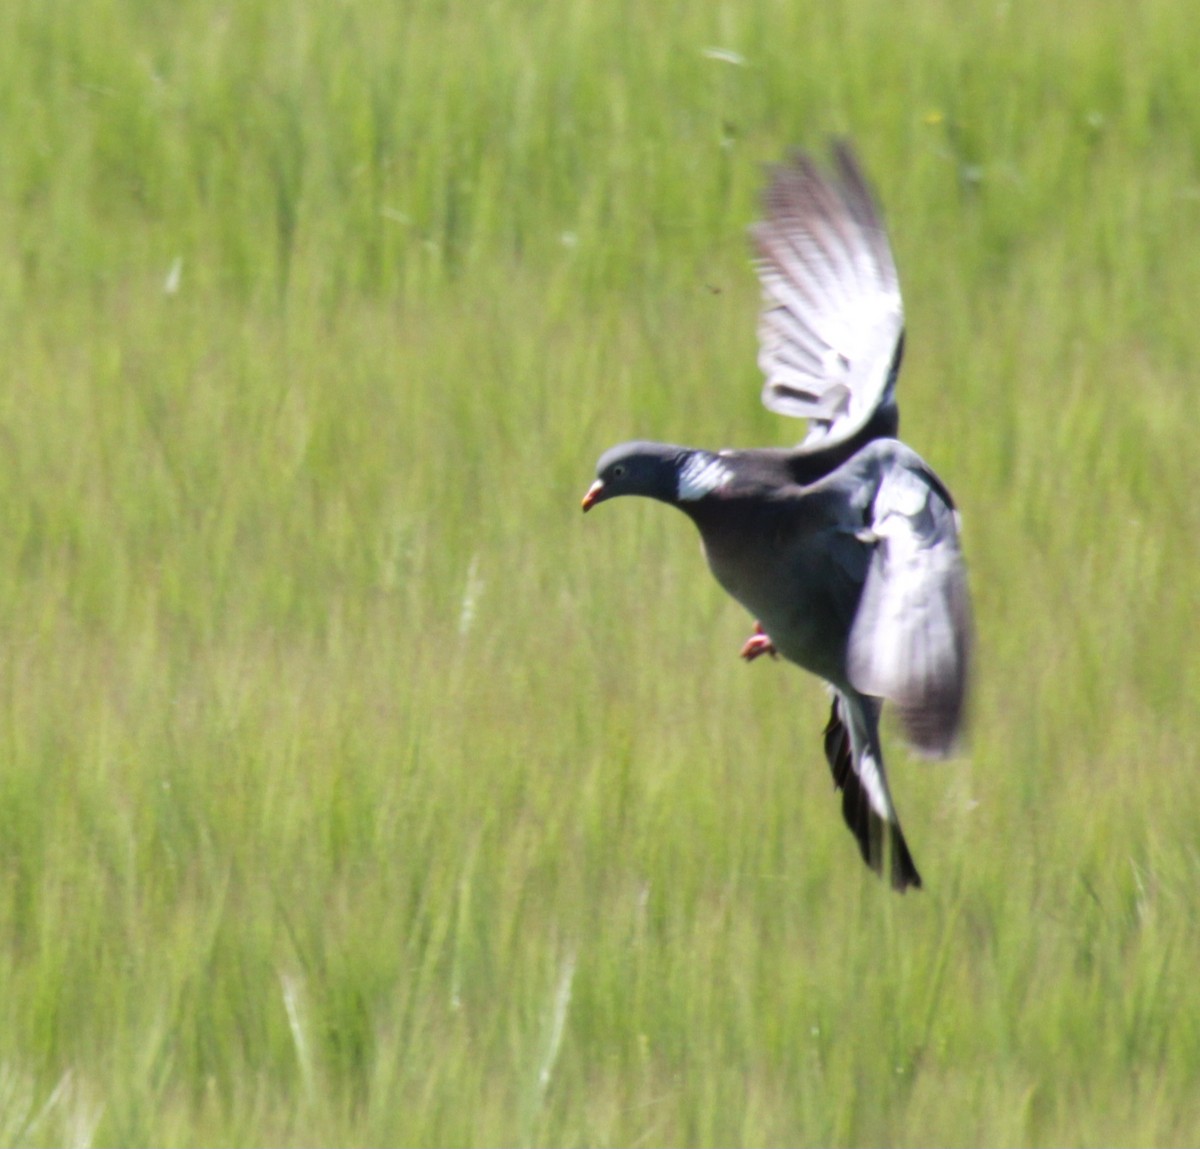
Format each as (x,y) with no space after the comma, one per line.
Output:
(830,329)
(911,638)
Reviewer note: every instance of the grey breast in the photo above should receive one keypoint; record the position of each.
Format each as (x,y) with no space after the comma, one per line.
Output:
(795,564)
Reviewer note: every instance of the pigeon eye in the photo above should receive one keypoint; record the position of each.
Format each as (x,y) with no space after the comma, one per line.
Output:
(618,472)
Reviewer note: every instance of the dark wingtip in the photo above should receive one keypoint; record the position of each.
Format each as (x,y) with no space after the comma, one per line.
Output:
(870,831)
(904,869)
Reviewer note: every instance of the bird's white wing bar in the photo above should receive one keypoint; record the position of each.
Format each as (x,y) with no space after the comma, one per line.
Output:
(911,638)
(832,311)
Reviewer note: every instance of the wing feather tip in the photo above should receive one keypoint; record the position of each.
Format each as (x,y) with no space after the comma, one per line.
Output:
(871,832)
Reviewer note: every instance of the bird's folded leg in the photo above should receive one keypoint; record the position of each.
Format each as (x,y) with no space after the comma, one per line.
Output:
(758,644)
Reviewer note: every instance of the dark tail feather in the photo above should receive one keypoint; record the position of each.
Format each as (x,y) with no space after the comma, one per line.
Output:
(868,828)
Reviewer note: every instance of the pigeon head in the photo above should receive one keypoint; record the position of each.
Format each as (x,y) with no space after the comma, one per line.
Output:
(655,471)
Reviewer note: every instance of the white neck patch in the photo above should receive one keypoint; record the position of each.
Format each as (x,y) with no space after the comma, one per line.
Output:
(701,475)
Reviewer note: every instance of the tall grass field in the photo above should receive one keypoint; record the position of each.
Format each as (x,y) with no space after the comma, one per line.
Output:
(356,790)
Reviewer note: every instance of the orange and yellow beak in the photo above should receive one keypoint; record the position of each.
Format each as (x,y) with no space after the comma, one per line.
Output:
(593,494)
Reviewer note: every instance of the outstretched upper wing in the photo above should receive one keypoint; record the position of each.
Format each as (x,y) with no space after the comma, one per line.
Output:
(830,330)
(911,638)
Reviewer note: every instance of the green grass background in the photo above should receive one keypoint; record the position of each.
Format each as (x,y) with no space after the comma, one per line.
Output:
(355,790)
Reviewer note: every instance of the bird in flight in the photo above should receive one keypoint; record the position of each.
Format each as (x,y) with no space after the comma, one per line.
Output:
(845,549)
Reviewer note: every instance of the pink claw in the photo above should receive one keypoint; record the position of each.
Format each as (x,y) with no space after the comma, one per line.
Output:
(758,644)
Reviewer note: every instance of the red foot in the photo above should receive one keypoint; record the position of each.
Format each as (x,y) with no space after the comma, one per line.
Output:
(758,644)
